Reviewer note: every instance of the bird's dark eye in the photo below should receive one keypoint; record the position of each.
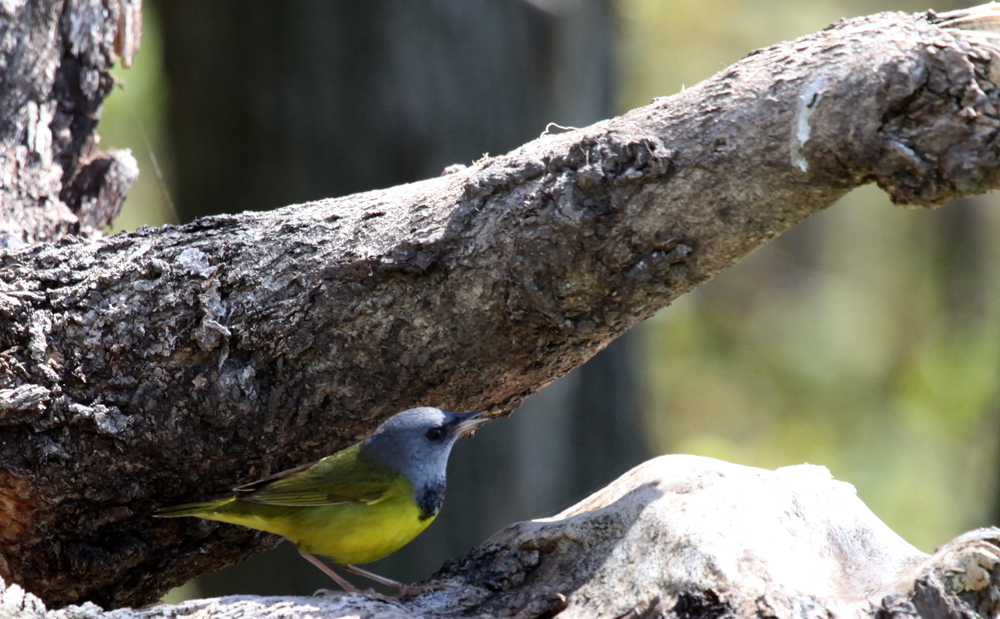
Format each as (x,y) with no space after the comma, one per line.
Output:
(435,434)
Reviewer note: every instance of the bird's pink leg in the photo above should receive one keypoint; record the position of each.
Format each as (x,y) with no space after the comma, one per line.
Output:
(400,587)
(329,572)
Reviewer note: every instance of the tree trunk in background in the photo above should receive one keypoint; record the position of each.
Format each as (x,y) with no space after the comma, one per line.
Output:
(961,254)
(455,80)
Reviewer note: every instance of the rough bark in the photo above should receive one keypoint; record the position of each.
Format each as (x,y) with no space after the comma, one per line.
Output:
(264,104)
(678,536)
(55,57)
(168,365)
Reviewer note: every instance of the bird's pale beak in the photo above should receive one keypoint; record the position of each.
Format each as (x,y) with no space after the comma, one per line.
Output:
(468,422)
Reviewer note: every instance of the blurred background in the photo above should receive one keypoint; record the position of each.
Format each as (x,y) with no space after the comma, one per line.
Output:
(867,339)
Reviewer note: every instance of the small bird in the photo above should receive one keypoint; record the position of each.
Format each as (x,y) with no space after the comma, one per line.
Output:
(358,505)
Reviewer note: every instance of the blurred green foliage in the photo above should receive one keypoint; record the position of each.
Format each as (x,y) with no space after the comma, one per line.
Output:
(133,118)
(850,341)
(844,343)
(670,44)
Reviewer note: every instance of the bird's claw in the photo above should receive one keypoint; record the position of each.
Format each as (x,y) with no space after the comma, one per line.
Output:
(411,590)
(333,592)
(327,592)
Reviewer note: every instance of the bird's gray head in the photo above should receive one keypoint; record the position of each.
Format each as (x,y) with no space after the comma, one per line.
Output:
(416,443)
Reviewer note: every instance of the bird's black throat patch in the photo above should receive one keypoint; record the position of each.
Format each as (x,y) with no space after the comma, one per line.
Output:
(429,499)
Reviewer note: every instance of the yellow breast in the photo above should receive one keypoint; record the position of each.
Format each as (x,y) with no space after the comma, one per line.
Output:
(348,533)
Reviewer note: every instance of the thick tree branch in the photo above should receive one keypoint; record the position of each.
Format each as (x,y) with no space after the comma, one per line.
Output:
(170,364)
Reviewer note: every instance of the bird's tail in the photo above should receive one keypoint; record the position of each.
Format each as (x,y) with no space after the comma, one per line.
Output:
(200,510)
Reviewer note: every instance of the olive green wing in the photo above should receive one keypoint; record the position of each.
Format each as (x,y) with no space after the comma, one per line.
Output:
(345,477)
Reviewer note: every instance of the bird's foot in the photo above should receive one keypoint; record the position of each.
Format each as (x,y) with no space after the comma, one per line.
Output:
(328,592)
(410,590)
(334,592)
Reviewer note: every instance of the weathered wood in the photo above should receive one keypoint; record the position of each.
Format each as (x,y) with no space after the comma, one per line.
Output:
(679,536)
(501,71)
(168,365)
(55,58)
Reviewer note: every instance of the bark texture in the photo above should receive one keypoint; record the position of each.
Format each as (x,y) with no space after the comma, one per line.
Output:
(55,57)
(264,103)
(678,536)
(168,365)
